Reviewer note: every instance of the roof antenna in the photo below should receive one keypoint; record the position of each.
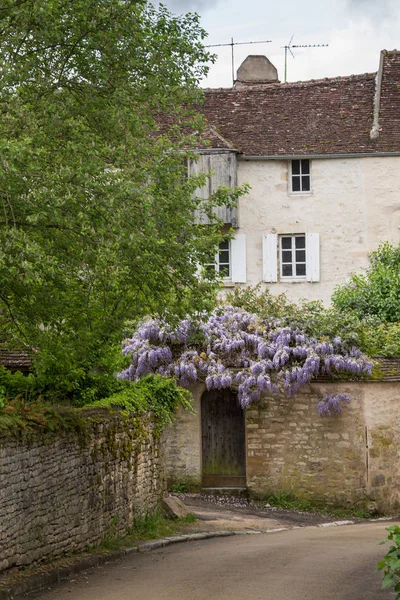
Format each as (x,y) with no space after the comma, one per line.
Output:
(289,47)
(232,44)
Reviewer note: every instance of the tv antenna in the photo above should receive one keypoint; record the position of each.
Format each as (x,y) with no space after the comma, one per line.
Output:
(232,44)
(289,47)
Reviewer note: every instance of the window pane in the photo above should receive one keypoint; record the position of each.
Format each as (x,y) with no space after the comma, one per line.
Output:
(224,256)
(295,167)
(296,184)
(305,167)
(286,243)
(286,256)
(287,270)
(224,270)
(300,256)
(300,242)
(305,183)
(224,245)
(300,270)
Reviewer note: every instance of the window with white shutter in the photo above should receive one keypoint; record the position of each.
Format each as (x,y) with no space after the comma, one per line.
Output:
(230,259)
(294,256)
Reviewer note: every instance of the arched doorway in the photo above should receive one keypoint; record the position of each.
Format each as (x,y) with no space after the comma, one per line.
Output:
(223,440)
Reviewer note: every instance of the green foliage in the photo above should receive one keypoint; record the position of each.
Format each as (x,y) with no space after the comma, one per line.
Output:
(390,565)
(154,393)
(14,384)
(367,331)
(289,501)
(383,339)
(309,316)
(20,416)
(377,293)
(96,221)
(149,527)
(179,488)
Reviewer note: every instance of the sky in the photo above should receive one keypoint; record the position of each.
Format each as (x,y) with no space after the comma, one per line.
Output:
(355,31)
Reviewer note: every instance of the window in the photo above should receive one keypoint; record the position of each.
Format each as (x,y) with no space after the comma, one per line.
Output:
(222,260)
(301,176)
(293,256)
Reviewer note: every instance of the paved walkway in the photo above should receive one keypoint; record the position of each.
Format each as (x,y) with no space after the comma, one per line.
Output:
(310,563)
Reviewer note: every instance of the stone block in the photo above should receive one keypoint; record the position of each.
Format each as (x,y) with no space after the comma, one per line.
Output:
(174,508)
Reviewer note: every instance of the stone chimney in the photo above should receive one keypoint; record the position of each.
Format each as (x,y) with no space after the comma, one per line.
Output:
(256,69)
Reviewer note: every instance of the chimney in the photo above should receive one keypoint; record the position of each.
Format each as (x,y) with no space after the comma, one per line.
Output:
(256,69)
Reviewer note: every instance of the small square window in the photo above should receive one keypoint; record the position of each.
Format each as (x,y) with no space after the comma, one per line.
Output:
(300,176)
(292,252)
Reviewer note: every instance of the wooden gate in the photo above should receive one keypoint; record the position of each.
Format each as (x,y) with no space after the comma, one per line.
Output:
(223,440)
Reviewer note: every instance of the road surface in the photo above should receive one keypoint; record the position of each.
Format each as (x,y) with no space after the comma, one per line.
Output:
(333,563)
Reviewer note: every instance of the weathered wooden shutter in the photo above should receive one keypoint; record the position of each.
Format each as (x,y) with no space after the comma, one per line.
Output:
(238,258)
(223,173)
(312,257)
(270,257)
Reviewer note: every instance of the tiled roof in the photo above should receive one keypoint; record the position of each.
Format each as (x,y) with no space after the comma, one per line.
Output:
(389,113)
(327,116)
(15,360)
(385,369)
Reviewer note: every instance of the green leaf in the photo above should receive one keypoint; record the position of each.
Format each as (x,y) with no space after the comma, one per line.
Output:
(388,581)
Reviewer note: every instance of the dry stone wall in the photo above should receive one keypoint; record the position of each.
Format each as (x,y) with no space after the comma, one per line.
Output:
(348,459)
(62,492)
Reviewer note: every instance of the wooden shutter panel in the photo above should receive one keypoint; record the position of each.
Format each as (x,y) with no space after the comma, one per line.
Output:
(270,257)
(238,258)
(312,257)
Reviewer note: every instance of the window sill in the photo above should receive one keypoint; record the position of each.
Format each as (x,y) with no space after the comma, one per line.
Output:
(297,194)
(293,280)
(228,284)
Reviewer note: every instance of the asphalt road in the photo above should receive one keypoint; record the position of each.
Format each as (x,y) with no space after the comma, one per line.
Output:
(303,564)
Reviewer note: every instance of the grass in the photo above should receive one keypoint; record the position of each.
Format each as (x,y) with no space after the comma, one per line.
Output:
(149,527)
(288,501)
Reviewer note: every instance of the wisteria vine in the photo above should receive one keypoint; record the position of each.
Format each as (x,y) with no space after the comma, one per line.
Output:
(235,349)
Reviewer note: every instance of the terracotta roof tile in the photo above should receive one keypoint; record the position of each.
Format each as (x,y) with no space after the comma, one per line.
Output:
(15,360)
(389,114)
(326,116)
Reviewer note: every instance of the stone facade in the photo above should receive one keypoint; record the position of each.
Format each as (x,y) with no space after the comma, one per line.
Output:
(62,492)
(348,459)
(353,206)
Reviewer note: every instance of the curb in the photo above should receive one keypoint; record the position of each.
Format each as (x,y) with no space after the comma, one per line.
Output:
(36,583)
(40,581)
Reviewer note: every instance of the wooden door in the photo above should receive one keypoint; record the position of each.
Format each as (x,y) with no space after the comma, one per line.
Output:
(223,440)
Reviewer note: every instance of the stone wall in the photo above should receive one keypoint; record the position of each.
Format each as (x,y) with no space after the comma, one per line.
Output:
(352,458)
(61,492)
(291,448)
(182,445)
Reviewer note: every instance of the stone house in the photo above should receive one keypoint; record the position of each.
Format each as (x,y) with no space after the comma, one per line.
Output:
(322,158)
(323,162)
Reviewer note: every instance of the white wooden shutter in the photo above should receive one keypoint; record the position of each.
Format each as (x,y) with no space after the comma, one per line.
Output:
(270,257)
(312,256)
(238,258)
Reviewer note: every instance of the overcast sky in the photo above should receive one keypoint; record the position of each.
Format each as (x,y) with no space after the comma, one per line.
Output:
(356,31)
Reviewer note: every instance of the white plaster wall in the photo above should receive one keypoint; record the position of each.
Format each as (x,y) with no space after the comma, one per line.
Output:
(354,206)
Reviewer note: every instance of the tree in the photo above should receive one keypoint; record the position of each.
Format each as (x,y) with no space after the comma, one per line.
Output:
(96,220)
(377,293)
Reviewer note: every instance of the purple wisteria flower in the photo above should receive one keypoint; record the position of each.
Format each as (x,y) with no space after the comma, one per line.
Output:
(232,348)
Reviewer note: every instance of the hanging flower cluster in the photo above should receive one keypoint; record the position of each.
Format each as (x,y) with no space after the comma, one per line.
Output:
(235,349)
